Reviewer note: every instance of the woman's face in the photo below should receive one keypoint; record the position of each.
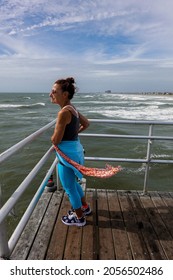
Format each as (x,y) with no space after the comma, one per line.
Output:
(56,95)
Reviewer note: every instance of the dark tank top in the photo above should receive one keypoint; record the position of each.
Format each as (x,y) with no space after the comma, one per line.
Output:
(71,129)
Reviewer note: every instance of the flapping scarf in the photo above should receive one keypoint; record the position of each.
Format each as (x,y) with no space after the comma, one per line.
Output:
(106,172)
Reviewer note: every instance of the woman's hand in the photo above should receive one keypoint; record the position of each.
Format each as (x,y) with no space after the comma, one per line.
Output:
(84,123)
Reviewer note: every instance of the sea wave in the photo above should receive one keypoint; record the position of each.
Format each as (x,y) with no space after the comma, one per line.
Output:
(27,97)
(10,106)
(139,170)
(141,113)
(157,156)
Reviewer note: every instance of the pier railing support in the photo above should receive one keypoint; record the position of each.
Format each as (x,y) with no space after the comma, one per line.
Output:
(59,187)
(148,158)
(4,249)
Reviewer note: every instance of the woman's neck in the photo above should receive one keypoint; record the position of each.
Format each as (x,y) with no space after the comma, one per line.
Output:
(65,103)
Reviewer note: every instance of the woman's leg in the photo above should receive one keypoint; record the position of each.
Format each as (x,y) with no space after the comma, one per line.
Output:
(71,187)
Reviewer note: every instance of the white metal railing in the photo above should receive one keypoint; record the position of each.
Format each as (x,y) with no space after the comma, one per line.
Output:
(16,234)
(8,153)
(6,247)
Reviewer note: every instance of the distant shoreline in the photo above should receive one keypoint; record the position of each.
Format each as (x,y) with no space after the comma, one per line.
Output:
(143,93)
(158,93)
(99,92)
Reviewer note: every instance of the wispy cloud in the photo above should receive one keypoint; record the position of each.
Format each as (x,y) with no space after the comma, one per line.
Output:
(90,39)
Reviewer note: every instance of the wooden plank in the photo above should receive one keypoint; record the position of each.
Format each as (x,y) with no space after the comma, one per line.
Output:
(138,246)
(171,194)
(164,211)
(41,241)
(120,238)
(24,244)
(73,243)
(96,228)
(88,251)
(165,215)
(106,244)
(58,239)
(168,200)
(160,229)
(154,248)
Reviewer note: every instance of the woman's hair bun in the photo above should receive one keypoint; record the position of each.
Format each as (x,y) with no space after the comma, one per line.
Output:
(70,80)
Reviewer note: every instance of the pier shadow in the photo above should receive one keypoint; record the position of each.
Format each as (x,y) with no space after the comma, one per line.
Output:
(159,225)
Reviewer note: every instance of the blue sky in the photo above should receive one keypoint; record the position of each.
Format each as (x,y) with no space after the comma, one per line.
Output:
(122,45)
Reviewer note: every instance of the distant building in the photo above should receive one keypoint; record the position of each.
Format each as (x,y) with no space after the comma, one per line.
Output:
(108,91)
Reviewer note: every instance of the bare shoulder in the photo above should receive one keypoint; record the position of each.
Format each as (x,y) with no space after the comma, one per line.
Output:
(71,109)
(64,116)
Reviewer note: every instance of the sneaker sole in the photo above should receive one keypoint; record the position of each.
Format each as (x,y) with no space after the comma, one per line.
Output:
(74,224)
(87,213)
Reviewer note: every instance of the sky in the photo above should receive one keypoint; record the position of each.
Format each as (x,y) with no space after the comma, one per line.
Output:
(120,45)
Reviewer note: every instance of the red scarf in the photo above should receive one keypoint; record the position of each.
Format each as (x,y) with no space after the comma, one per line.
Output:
(106,172)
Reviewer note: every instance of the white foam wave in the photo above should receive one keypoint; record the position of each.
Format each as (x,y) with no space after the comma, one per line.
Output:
(27,97)
(142,113)
(21,105)
(132,106)
(95,102)
(87,95)
(160,156)
(41,104)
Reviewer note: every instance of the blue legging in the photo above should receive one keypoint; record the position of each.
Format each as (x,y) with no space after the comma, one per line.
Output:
(71,186)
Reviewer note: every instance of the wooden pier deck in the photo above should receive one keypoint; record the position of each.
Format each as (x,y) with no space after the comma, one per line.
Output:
(123,225)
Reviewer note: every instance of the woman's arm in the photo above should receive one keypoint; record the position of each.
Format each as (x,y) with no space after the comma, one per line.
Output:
(64,117)
(84,123)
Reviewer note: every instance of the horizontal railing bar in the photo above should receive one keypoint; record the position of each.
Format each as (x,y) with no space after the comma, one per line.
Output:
(23,186)
(126,136)
(127,160)
(12,150)
(115,159)
(6,154)
(21,225)
(131,121)
(161,161)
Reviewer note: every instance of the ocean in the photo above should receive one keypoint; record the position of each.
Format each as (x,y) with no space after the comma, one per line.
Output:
(23,113)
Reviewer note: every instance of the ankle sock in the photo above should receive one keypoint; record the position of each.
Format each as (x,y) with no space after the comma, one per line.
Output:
(85,205)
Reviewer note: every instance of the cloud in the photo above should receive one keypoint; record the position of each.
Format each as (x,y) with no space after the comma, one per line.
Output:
(92,39)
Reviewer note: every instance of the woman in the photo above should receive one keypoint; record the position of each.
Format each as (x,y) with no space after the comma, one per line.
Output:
(69,123)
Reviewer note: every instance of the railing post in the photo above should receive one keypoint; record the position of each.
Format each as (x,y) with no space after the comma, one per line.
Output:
(146,177)
(57,179)
(4,249)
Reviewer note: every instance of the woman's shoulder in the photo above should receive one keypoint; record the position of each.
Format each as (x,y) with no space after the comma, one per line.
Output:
(72,109)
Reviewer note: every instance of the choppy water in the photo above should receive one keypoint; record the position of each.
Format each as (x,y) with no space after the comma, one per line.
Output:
(24,113)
